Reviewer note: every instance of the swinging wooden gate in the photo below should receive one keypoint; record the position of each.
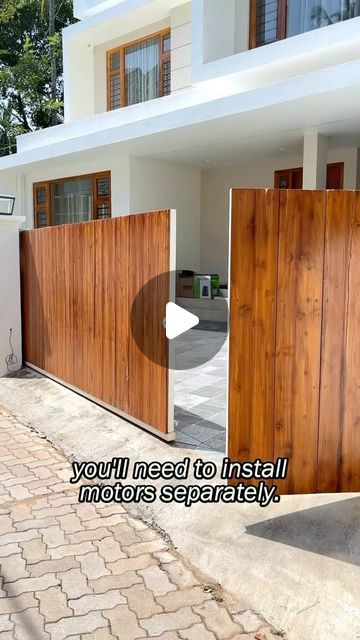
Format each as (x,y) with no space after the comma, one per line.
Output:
(294,373)
(79,282)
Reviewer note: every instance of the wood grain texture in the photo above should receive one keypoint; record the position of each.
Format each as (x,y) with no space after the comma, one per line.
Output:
(339,214)
(298,341)
(350,445)
(79,282)
(294,292)
(254,239)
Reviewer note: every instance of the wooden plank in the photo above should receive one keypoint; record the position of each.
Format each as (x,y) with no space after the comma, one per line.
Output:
(339,212)
(122,313)
(349,472)
(254,242)
(299,311)
(148,257)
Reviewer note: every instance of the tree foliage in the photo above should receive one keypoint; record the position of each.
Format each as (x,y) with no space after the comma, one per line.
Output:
(31,87)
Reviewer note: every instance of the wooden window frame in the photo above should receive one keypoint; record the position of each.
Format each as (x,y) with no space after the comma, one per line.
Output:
(121,71)
(281,23)
(48,183)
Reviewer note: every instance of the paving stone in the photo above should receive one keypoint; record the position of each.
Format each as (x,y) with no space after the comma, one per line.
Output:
(55,512)
(71,550)
(53,604)
(74,583)
(9,550)
(34,551)
(92,565)
(36,523)
(145,547)
(6,524)
(18,536)
(5,623)
(218,619)
(122,581)
(123,623)
(52,566)
(30,584)
(86,511)
(109,549)
(141,600)
(156,580)
(19,603)
(76,625)
(97,602)
(180,619)
(183,598)
(19,493)
(109,521)
(70,523)
(101,634)
(12,482)
(91,535)
(131,564)
(197,632)
(28,620)
(20,512)
(168,635)
(53,536)
(180,575)
(13,568)
(124,534)
(109,509)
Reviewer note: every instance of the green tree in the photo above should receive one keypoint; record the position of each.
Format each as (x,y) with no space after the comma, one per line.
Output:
(31,87)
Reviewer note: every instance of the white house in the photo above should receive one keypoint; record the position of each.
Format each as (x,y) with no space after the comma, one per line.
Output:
(169,104)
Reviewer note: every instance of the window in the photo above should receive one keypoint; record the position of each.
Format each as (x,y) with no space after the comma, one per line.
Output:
(72,200)
(272,20)
(139,71)
(293,178)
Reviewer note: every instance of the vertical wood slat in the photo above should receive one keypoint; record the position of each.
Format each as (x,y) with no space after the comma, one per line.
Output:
(254,232)
(78,285)
(350,445)
(298,340)
(339,212)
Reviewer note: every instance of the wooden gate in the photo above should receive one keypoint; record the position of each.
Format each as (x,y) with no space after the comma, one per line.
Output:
(79,282)
(294,374)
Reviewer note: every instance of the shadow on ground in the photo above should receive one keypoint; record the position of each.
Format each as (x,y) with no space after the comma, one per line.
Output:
(331,530)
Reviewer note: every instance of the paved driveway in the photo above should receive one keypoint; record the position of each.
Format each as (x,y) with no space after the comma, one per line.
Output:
(76,571)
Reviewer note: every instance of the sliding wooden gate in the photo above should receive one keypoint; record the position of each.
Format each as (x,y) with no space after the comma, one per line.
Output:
(294,375)
(79,282)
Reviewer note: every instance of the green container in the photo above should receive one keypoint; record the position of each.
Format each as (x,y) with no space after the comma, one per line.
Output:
(215,284)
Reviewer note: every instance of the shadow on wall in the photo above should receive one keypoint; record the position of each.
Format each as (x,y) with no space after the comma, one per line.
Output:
(331,530)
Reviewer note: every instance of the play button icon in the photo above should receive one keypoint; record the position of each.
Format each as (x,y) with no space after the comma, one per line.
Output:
(178,320)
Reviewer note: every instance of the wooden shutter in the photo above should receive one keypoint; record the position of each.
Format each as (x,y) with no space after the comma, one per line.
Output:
(42,205)
(102,196)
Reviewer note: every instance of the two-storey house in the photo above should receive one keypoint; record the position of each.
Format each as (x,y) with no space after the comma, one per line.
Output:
(169,104)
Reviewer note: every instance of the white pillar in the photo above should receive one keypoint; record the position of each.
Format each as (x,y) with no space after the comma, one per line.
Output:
(314,160)
(10,307)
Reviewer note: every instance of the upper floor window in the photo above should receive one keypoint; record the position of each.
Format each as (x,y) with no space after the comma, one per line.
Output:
(139,71)
(273,20)
(77,199)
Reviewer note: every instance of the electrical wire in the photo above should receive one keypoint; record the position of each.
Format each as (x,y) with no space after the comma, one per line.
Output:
(11,360)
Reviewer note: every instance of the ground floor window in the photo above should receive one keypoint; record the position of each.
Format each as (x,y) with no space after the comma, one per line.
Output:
(293,178)
(68,200)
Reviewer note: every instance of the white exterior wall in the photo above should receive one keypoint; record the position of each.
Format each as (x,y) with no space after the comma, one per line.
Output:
(181,47)
(255,174)
(158,185)
(10,309)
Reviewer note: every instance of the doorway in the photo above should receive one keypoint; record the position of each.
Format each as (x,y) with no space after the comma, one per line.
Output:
(293,178)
